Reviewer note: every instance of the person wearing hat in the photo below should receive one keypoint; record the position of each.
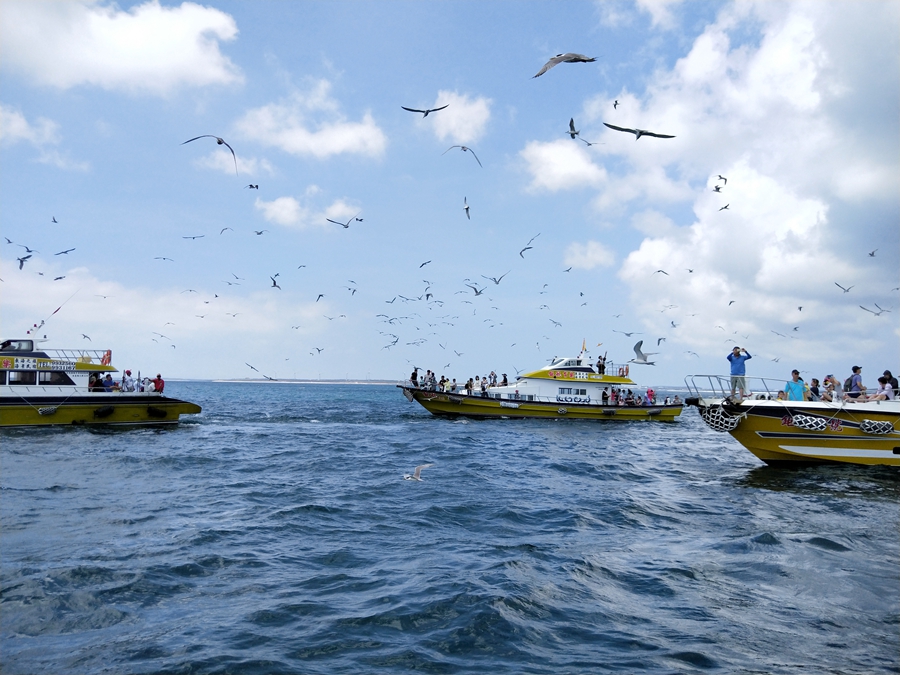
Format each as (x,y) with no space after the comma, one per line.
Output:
(795,389)
(127,381)
(738,357)
(856,388)
(158,383)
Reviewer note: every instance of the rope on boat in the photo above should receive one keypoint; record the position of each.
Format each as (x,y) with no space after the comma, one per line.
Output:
(876,427)
(718,419)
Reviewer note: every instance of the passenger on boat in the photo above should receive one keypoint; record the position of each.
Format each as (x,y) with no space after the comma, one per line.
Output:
(127,381)
(159,383)
(469,386)
(738,357)
(833,392)
(414,377)
(484,385)
(604,395)
(795,389)
(504,382)
(891,380)
(109,384)
(453,386)
(601,365)
(96,383)
(677,400)
(856,389)
(651,396)
(885,391)
(814,392)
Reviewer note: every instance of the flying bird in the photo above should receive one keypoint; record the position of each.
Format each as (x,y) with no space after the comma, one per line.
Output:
(197,236)
(568,57)
(527,248)
(846,290)
(717,188)
(222,231)
(878,313)
(662,339)
(68,250)
(724,207)
(54,220)
(86,337)
(347,224)
(464,148)
(321,295)
(275,283)
(159,257)
(258,232)
(58,278)
(872,253)
(497,279)
(424,112)
(637,132)
(219,141)
(250,367)
(661,272)
(424,263)
(252,187)
(615,104)
(572,132)
(641,357)
(721,177)
(416,475)
(466,208)
(626,334)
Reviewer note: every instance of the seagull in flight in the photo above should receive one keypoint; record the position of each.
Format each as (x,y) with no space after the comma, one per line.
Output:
(466,208)
(693,353)
(878,313)
(54,220)
(572,132)
(637,132)
(275,283)
(219,141)
(321,295)
(424,112)
(68,250)
(497,279)
(475,288)
(717,188)
(159,257)
(721,177)
(250,367)
(724,207)
(197,236)
(347,224)
(661,272)
(615,104)
(464,148)
(568,57)
(627,334)
(846,290)
(641,357)
(251,187)
(222,231)
(424,263)
(872,253)
(416,475)
(86,337)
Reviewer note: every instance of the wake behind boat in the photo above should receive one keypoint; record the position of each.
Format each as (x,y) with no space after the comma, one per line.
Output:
(782,432)
(565,388)
(44,387)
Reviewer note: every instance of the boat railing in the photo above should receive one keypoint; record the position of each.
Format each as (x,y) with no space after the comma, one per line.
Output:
(79,355)
(719,386)
(525,398)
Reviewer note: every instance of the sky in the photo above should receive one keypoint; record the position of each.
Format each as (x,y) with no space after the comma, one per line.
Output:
(173,258)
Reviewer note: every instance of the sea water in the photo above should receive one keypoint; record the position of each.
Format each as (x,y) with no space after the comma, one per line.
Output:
(274,533)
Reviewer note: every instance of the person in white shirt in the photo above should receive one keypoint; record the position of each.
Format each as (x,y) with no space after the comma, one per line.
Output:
(127,381)
(885,391)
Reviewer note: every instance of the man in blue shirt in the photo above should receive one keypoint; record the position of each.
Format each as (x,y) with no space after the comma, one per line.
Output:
(738,357)
(795,388)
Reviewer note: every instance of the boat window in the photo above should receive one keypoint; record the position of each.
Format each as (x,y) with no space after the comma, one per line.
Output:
(2,377)
(565,390)
(54,377)
(580,392)
(17,346)
(22,377)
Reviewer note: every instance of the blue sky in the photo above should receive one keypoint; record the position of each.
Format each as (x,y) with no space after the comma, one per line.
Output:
(797,104)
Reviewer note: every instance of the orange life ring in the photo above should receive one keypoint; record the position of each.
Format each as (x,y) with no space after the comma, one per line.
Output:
(626,371)
(621,371)
(107,358)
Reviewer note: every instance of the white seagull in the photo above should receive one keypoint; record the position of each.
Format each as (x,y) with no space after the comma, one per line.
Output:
(641,357)
(568,57)
(637,132)
(417,474)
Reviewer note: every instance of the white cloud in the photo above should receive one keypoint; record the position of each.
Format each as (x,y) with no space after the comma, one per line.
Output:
(464,121)
(660,12)
(560,165)
(588,256)
(299,126)
(224,162)
(43,135)
(148,49)
(290,212)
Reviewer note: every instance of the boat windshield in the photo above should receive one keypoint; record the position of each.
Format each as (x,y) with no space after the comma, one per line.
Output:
(17,346)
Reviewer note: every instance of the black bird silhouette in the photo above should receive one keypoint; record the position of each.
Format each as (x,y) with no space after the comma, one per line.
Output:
(717,188)
(464,148)
(196,236)
(724,207)
(424,263)
(159,257)
(28,250)
(347,224)
(568,57)
(219,141)
(424,112)
(275,283)
(321,295)
(496,280)
(637,132)
(23,260)
(67,251)
(252,187)
(53,220)
(257,232)
(721,177)
(615,104)
(466,207)
(872,253)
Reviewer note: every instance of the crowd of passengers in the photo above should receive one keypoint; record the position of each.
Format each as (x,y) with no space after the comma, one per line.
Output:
(127,384)
(480,386)
(851,391)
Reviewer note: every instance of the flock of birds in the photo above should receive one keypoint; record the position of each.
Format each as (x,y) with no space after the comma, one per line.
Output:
(432,326)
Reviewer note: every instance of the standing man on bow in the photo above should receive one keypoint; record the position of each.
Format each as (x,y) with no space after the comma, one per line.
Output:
(738,357)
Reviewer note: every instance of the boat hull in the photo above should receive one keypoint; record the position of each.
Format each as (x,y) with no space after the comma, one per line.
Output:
(93,410)
(463,405)
(852,434)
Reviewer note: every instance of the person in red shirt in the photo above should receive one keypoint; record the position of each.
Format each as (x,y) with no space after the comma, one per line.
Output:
(159,383)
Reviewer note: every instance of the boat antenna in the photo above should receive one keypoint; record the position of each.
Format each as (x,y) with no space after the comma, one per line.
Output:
(60,307)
